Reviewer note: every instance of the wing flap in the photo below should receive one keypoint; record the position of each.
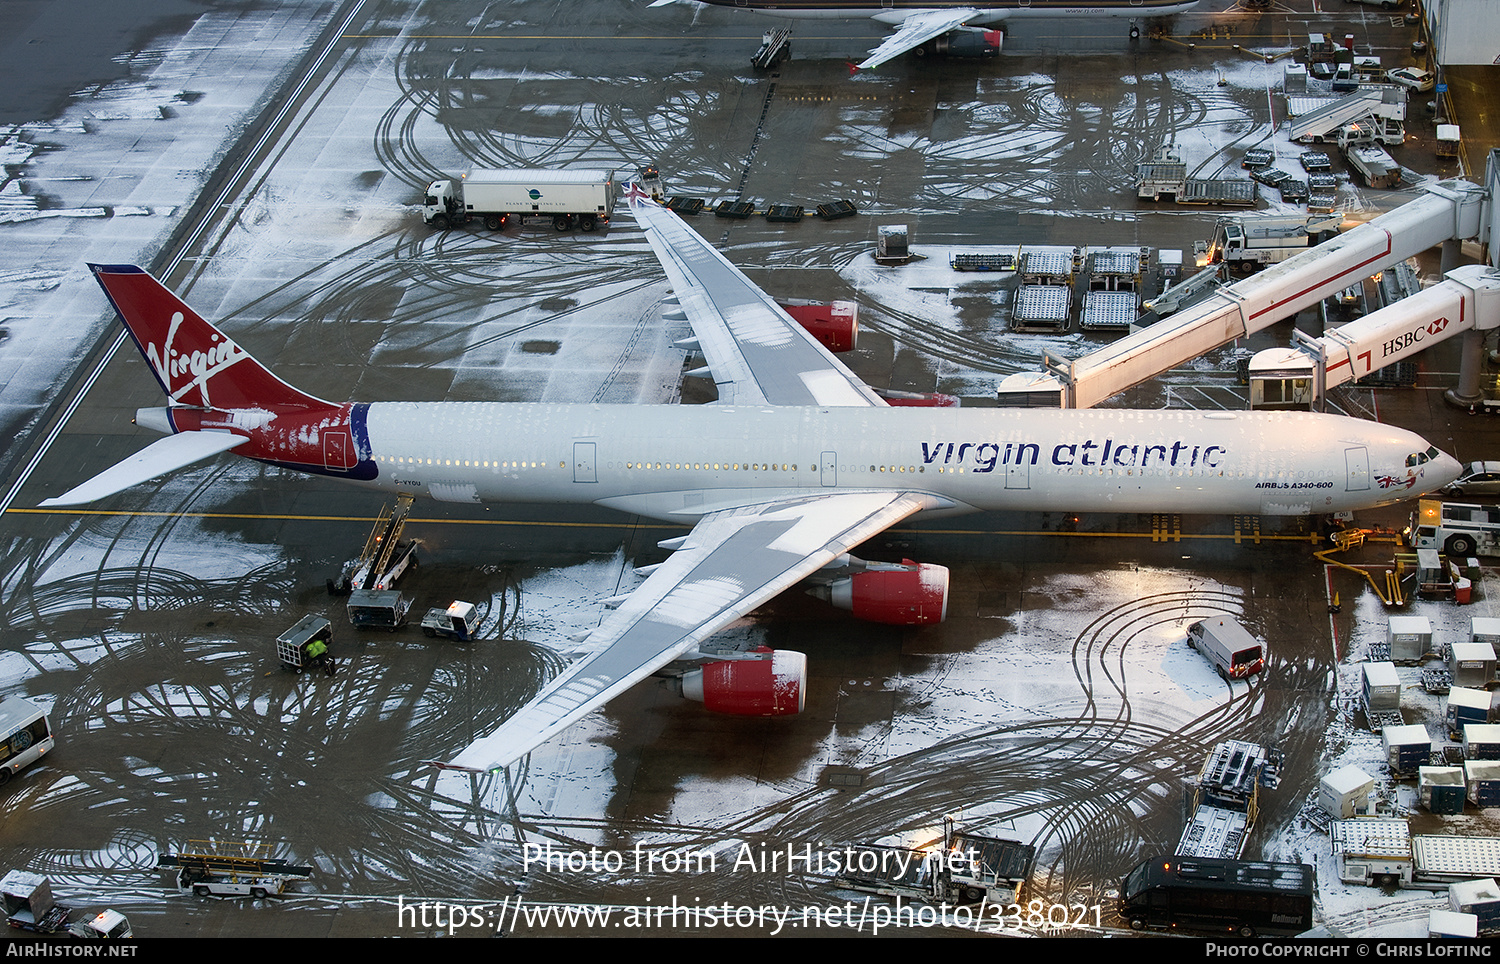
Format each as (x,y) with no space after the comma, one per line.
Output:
(915,30)
(757,353)
(732,561)
(159,458)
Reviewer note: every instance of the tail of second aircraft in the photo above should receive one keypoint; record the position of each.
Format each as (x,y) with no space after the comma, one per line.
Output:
(196,364)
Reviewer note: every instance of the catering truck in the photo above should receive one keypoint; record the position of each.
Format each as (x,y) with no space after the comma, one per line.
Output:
(1252,242)
(569,199)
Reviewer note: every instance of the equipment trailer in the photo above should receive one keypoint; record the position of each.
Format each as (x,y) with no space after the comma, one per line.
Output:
(969,868)
(231,869)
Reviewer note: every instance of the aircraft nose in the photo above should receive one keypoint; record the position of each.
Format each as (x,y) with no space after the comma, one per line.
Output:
(1442,470)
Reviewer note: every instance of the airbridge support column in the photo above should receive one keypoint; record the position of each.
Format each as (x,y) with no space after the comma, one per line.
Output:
(1467,393)
(1450,209)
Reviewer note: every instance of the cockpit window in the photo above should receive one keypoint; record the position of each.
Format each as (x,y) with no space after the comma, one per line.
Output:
(1422,458)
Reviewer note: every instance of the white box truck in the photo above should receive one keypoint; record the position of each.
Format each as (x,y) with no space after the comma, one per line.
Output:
(568,199)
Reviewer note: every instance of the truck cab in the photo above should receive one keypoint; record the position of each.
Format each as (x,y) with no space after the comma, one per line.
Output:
(441,201)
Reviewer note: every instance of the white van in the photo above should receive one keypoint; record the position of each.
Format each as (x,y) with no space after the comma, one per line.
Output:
(1234,653)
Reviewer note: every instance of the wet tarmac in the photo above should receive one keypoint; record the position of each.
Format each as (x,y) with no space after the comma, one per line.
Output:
(1058,704)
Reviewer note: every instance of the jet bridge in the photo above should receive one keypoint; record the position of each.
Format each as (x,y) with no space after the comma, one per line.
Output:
(1467,300)
(1450,210)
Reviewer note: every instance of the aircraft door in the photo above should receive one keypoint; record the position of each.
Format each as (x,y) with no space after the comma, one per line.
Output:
(336,453)
(1018,476)
(829,468)
(1357,465)
(583,462)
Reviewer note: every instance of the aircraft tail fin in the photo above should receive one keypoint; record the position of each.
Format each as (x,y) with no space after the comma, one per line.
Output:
(195,363)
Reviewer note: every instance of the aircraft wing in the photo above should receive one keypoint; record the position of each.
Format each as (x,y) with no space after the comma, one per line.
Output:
(732,561)
(158,458)
(915,30)
(757,353)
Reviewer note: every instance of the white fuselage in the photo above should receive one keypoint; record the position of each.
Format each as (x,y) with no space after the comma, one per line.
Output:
(989,13)
(678,462)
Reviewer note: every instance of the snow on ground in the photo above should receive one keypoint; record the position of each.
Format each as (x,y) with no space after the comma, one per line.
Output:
(107,181)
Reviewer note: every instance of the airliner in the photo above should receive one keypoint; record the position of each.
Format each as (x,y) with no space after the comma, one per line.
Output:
(795,465)
(956,28)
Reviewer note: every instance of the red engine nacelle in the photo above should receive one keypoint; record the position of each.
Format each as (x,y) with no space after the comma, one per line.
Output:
(771,686)
(911,594)
(916,400)
(835,324)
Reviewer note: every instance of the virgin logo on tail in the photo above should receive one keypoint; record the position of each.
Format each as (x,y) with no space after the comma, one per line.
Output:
(172,366)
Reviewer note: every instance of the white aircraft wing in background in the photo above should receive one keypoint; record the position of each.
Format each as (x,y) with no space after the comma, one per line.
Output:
(733,561)
(758,354)
(915,30)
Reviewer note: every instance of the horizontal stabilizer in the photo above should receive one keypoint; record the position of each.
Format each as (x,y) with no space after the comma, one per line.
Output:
(158,458)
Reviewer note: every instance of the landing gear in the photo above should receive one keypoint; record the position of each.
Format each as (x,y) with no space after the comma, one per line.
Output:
(1135,30)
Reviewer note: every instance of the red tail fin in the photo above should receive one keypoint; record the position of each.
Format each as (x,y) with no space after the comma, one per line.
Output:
(196,363)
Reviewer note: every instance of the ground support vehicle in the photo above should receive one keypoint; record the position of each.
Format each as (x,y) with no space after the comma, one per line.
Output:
(1374,166)
(1382,851)
(1457,528)
(775,47)
(373,609)
(27,900)
(1251,242)
(1225,896)
(25,735)
(1234,653)
(1226,798)
(568,199)
(385,557)
(1165,177)
(458,621)
(968,868)
(231,869)
(306,644)
(369,578)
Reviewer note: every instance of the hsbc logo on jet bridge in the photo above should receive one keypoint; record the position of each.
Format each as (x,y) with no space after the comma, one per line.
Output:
(1413,338)
(985,456)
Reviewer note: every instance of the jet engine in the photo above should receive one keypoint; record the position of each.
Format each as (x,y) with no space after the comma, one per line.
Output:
(834,323)
(964,42)
(918,400)
(899,594)
(766,683)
